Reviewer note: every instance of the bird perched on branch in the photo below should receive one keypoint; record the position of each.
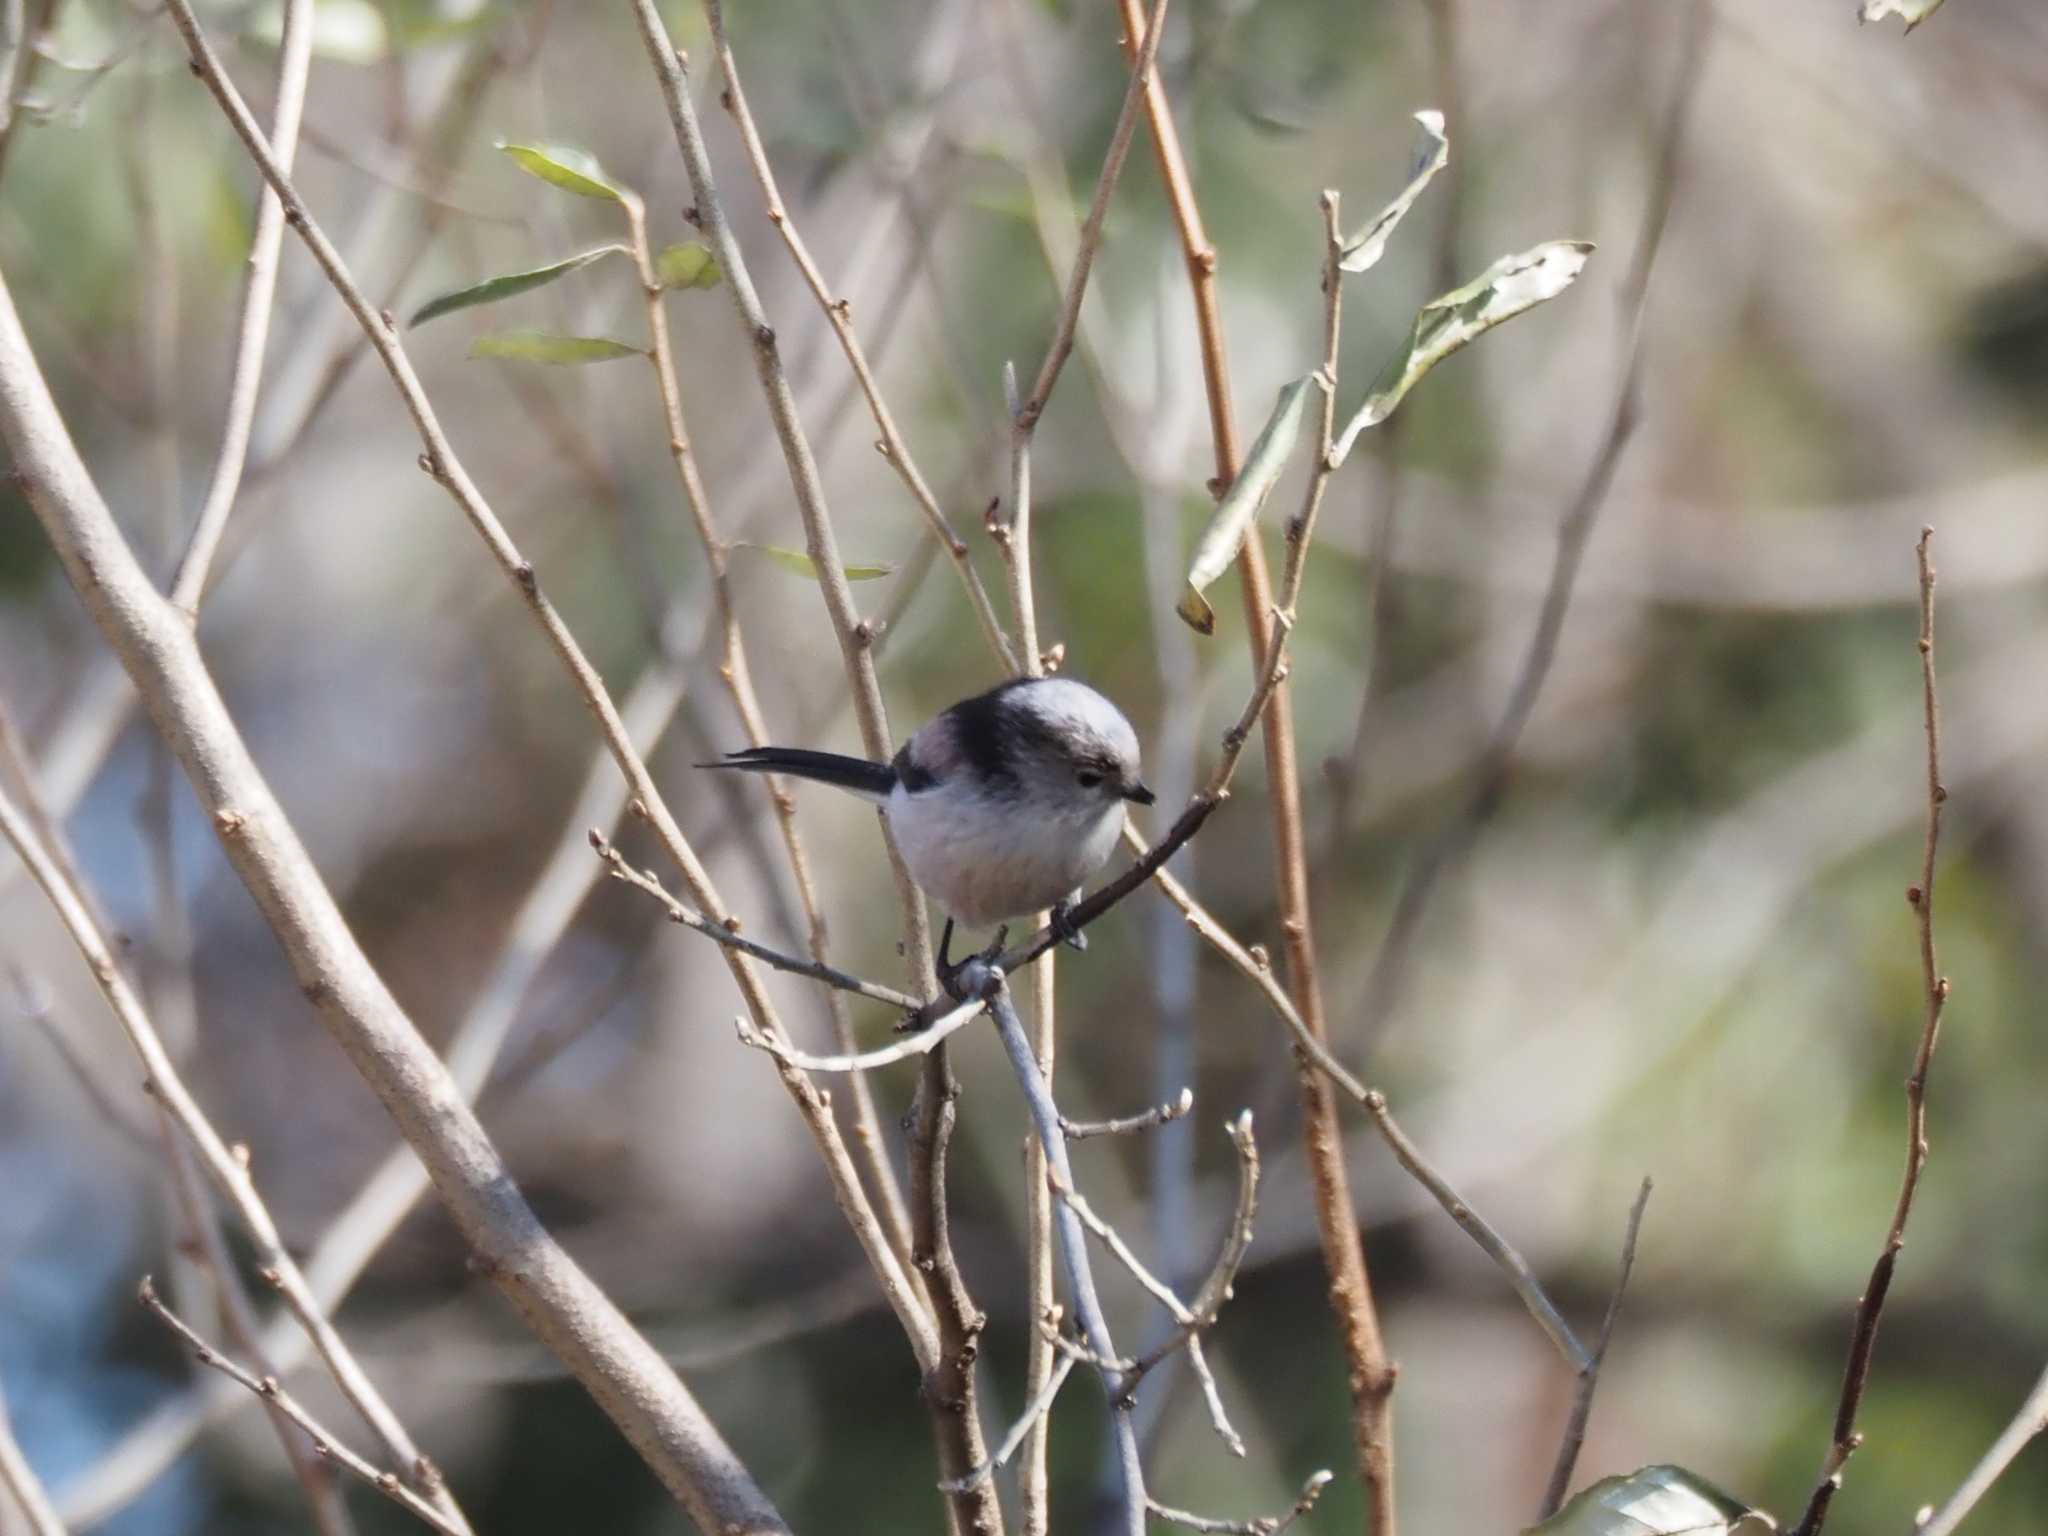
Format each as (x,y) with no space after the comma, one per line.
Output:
(1002,805)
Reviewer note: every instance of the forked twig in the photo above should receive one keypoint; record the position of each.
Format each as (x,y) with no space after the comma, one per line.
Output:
(270,1390)
(1589,1378)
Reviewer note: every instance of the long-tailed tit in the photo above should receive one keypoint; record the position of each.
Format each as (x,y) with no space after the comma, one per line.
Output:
(1003,804)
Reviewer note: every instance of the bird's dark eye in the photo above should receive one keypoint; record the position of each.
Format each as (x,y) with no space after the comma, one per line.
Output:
(1088,778)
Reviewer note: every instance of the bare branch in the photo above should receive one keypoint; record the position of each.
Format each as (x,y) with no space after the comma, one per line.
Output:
(839,313)
(295,56)
(1263,1525)
(570,1313)
(439,461)
(380,1204)
(1145,1120)
(1589,1378)
(324,1442)
(739,683)
(727,934)
(1073,1242)
(1144,49)
(926,1039)
(2030,1421)
(855,635)
(1301,529)
(1369,1370)
(227,1168)
(1870,1306)
(1490,778)
(1034,1412)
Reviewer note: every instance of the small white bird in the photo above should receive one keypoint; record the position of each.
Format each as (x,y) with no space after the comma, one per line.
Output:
(1003,804)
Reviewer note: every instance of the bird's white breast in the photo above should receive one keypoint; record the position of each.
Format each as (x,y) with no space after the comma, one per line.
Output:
(988,858)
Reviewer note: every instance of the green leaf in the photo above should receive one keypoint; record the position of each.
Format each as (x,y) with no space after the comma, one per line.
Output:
(1654,1501)
(550,347)
(1240,505)
(1363,250)
(492,289)
(796,561)
(561,165)
(1914,11)
(1449,323)
(687,266)
(349,31)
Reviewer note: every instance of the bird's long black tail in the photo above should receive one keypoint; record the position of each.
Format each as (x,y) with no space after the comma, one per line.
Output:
(873,780)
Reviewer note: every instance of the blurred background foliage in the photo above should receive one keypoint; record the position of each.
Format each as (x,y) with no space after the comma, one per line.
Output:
(1676,946)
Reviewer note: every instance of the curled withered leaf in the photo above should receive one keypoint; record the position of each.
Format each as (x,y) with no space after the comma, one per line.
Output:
(1364,249)
(1240,505)
(1505,289)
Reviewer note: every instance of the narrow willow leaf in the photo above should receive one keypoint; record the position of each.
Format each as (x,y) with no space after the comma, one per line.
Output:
(1501,292)
(1914,11)
(795,560)
(574,170)
(1363,250)
(348,31)
(1240,505)
(1653,1501)
(492,289)
(550,347)
(688,266)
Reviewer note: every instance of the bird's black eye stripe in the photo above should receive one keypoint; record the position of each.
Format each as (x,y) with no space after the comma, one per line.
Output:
(1088,778)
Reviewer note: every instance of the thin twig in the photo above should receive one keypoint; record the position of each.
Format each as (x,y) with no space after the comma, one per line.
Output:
(324,1442)
(1301,528)
(1215,1289)
(739,684)
(572,1314)
(32,1004)
(227,1168)
(1014,541)
(727,934)
(295,55)
(105,700)
(949,1385)
(1033,1413)
(1073,1243)
(238,1314)
(839,313)
(1259,1525)
(1121,1251)
(354,1235)
(1589,1378)
(1490,778)
(2029,1422)
(706,1470)
(855,635)
(924,1040)
(1143,48)
(1870,1306)
(1369,1370)
(1256,967)
(1145,1120)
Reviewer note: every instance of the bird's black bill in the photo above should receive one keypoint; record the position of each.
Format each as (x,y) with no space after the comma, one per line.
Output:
(1140,794)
